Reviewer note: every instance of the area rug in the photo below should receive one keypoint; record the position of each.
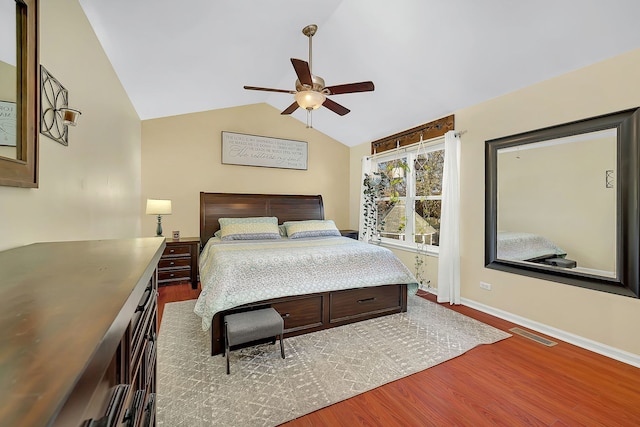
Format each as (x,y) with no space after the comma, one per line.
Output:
(320,368)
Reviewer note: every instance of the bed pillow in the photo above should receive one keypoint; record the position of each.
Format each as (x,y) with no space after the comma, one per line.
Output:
(311,228)
(251,228)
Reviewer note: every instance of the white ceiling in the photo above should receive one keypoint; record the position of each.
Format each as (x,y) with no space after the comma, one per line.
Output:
(427,58)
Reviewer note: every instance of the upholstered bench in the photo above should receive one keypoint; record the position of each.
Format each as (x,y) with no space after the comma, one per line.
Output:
(248,326)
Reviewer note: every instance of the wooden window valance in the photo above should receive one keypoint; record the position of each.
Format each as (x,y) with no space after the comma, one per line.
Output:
(429,130)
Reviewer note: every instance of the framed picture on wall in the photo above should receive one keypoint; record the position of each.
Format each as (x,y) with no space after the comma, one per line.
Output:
(264,151)
(8,123)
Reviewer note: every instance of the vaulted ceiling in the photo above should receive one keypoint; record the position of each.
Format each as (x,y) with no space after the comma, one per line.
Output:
(427,58)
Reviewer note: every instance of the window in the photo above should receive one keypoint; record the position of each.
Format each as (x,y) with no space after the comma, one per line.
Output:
(409,203)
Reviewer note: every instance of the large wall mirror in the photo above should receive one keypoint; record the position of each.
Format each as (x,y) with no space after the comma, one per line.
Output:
(19,93)
(562,203)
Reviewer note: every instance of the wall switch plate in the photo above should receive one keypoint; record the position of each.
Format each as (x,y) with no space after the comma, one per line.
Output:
(486,286)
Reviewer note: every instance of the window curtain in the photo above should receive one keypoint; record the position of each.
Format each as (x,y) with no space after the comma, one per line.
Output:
(449,258)
(366,169)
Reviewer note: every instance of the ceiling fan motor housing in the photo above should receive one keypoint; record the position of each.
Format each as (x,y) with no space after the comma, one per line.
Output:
(318,84)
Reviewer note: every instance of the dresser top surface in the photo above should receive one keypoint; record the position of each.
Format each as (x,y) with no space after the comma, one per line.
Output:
(191,240)
(58,302)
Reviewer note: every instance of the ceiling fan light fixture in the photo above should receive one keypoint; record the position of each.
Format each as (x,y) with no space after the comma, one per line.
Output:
(310,99)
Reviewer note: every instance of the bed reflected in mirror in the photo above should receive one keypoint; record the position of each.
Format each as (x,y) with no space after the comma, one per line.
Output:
(562,203)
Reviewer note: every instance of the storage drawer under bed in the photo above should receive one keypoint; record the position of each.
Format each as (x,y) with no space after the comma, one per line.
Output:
(301,313)
(314,312)
(364,302)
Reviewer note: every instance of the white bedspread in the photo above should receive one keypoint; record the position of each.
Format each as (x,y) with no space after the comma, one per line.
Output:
(233,273)
(526,246)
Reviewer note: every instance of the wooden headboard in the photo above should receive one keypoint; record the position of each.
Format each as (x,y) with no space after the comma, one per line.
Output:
(233,205)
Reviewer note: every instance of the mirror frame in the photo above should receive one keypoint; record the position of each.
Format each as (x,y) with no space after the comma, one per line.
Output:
(627,280)
(23,171)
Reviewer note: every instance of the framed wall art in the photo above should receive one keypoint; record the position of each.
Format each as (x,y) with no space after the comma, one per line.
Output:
(8,123)
(263,151)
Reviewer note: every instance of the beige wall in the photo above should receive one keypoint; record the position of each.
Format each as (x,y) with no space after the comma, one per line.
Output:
(90,189)
(7,82)
(181,156)
(598,89)
(355,181)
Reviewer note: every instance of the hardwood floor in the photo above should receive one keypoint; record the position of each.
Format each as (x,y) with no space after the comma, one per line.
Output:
(174,293)
(515,382)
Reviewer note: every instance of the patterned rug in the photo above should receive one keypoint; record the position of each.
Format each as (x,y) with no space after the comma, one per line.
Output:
(320,368)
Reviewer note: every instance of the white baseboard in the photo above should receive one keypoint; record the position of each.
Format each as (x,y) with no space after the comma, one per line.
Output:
(596,347)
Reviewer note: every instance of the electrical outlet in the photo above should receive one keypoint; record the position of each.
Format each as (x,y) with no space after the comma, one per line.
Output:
(486,286)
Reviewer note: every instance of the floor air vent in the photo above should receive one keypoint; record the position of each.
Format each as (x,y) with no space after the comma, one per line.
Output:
(533,336)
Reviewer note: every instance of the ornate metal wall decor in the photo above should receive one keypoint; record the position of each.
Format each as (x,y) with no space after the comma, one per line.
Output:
(53,99)
(609,178)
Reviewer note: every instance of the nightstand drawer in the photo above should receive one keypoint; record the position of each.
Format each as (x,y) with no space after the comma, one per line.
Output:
(174,275)
(177,250)
(171,263)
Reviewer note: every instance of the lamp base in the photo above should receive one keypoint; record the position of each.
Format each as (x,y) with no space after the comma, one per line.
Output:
(159,227)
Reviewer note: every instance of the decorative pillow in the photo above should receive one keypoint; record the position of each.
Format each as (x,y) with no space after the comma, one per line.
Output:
(252,228)
(246,220)
(311,228)
(283,230)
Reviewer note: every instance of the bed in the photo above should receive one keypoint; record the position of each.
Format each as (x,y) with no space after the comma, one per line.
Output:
(527,247)
(321,299)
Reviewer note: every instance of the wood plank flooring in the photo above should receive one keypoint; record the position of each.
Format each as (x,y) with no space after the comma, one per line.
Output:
(515,382)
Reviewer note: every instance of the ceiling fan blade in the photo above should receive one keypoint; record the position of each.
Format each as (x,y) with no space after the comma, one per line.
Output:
(291,108)
(266,89)
(302,71)
(350,88)
(335,107)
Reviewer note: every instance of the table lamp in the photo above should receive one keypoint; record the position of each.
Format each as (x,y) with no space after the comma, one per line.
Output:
(158,207)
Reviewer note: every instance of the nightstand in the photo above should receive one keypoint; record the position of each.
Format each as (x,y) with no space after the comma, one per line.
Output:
(179,262)
(353,234)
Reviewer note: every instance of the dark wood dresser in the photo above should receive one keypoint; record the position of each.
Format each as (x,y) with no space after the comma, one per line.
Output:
(78,328)
(352,234)
(179,262)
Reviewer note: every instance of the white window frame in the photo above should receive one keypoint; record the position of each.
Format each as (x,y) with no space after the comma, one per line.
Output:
(410,152)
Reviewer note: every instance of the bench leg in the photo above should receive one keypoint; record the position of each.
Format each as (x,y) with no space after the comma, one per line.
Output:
(226,346)
(281,346)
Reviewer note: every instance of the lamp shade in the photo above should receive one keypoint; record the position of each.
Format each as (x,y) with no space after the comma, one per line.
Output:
(158,207)
(309,99)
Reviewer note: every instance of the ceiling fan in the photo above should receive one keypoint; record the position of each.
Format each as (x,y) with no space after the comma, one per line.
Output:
(311,92)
